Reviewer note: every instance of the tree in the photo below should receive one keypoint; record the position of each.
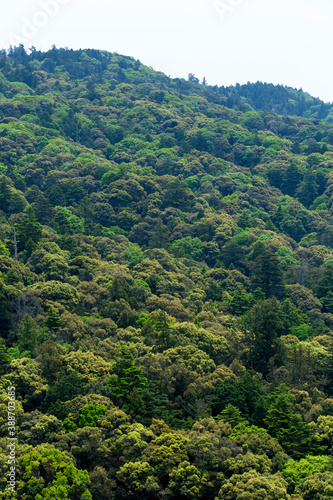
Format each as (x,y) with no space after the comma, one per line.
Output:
(4,359)
(29,335)
(139,480)
(50,359)
(257,440)
(249,462)
(241,301)
(91,414)
(26,376)
(128,375)
(64,389)
(287,426)
(101,487)
(232,415)
(90,368)
(317,487)
(192,78)
(28,231)
(187,247)
(325,283)
(53,319)
(43,209)
(264,324)
(187,481)
(48,473)
(89,417)
(295,472)
(207,449)
(307,189)
(253,486)
(166,452)
(5,193)
(245,393)
(268,274)
(291,178)
(37,428)
(57,291)
(87,445)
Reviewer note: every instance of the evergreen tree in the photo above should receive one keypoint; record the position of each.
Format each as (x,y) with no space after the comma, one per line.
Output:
(264,324)
(288,426)
(29,231)
(291,179)
(4,359)
(128,375)
(268,274)
(53,319)
(307,190)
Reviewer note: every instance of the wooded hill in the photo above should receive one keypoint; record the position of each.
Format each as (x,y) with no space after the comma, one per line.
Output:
(167,322)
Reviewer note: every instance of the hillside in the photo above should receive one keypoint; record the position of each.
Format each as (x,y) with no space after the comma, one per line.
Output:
(278,99)
(166,287)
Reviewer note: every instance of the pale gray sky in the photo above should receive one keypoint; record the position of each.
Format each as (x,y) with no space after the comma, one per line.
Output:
(227,41)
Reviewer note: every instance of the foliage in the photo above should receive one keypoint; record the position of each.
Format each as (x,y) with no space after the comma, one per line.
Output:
(128,376)
(166,247)
(254,486)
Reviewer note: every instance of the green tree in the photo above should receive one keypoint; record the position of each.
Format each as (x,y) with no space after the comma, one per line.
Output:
(139,480)
(307,189)
(26,375)
(48,473)
(5,193)
(241,301)
(245,393)
(133,254)
(37,428)
(248,462)
(28,231)
(50,359)
(29,335)
(4,359)
(91,414)
(232,415)
(288,426)
(253,486)
(165,453)
(128,375)
(53,319)
(325,283)
(187,247)
(64,389)
(264,324)
(296,471)
(268,274)
(317,487)
(187,481)
(89,417)
(291,178)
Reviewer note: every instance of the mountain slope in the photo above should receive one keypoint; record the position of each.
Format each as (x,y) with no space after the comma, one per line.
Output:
(165,281)
(278,99)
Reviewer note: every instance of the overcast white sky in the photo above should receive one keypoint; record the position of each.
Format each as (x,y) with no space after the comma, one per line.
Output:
(227,41)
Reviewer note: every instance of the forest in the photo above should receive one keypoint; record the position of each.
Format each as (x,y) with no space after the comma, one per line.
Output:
(166,284)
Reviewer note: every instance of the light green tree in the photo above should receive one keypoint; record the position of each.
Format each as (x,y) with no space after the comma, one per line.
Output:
(295,472)
(47,473)
(253,486)
(317,487)
(138,479)
(188,482)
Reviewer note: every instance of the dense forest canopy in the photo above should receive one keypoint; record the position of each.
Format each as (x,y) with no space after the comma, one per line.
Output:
(166,283)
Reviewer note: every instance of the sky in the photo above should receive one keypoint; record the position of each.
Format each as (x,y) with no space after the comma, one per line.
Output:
(285,42)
